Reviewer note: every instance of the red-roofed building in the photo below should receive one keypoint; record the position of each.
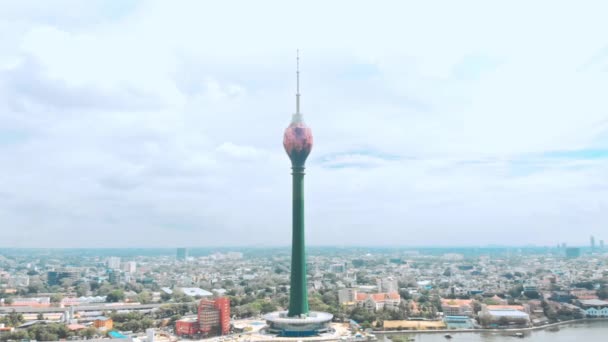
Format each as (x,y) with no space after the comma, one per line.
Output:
(379,301)
(457,307)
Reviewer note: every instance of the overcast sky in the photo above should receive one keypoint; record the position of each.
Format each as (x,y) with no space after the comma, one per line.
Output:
(151,124)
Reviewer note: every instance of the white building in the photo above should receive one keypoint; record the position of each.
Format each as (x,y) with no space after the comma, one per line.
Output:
(130,266)
(388,284)
(594,307)
(113,263)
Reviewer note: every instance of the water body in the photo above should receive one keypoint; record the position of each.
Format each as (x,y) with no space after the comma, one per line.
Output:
(584,332)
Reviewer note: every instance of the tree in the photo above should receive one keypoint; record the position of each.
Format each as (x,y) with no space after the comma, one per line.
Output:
(144,297)
(13,319)
(40,317)
(165,297)
(115,296)
(516,291)
(56,298)
(34,288)
(405,294)
(88,332)
(83,289)
(268,307)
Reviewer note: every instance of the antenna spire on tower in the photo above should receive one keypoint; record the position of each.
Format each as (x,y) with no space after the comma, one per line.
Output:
(298,81)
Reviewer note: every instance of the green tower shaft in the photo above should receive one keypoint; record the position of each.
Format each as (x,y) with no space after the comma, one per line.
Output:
(298,293)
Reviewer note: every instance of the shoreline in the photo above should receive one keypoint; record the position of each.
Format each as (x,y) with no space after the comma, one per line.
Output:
(452,331)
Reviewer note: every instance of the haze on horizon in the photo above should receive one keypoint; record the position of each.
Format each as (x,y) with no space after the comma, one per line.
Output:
(156,123)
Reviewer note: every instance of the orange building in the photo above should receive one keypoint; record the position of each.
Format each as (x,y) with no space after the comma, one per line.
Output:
(186,326)
(104,323)
(214,316)
(213,319)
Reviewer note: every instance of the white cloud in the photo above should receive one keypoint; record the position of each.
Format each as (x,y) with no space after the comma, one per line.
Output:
(156,121)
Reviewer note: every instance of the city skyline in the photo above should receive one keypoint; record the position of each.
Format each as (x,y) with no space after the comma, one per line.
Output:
(456,131)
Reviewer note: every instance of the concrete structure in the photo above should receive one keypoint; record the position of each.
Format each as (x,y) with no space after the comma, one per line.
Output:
(313,324)
(347,296)
(298,320)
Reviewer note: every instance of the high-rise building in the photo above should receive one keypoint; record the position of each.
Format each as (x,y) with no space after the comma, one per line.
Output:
(182,254)
(602,244)
(129,266)
(214,316)
(592,242)
(298,320)
(114,276)
(113,263)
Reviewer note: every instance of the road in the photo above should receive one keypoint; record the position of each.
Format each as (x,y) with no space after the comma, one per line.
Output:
(99,307)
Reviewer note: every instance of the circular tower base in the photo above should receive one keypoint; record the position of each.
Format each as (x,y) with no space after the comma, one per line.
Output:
(314,324)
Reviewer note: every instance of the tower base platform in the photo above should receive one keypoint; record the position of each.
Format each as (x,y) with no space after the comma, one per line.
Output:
(314,324)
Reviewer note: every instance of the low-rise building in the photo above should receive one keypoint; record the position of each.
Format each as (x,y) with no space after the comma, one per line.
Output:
(103,323)
(594,307)
(504,315)
(457,307)
(187,326)
(379,301)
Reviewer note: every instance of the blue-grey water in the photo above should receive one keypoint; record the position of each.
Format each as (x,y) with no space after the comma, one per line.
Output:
(583,332)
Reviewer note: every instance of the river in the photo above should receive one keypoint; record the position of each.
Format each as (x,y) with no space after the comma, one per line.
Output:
(582,332)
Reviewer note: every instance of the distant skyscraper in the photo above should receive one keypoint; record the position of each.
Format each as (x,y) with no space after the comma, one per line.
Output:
(601,244)
(592,240)
(182,254)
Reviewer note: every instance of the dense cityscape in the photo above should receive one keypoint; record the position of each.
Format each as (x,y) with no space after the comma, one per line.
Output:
(161,181)
(49,295)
